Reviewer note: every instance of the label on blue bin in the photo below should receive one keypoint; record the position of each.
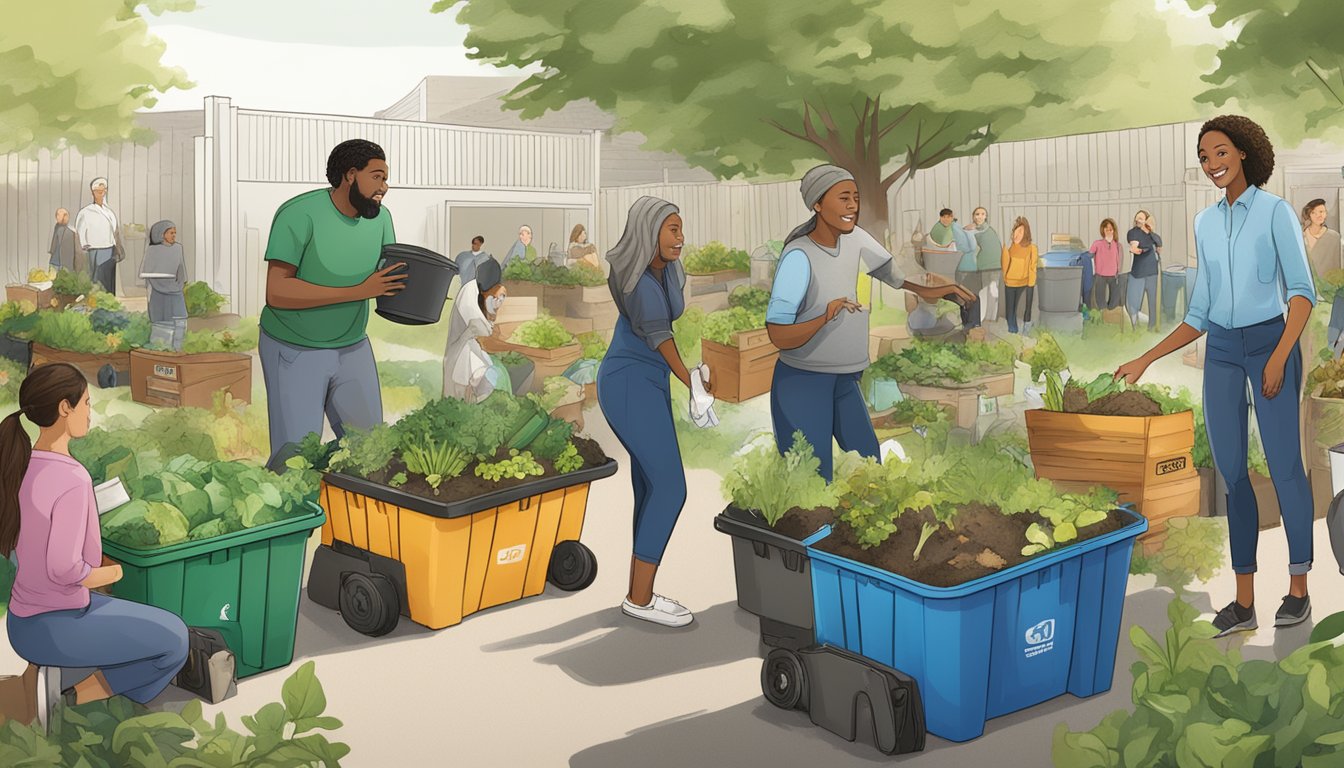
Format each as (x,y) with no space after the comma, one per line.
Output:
(1040,638)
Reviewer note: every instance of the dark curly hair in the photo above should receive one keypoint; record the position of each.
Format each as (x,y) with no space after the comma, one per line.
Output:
(1249,137)
(355,153)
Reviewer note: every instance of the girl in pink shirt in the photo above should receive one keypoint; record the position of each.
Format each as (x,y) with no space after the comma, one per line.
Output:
(49,520)
(1106,268)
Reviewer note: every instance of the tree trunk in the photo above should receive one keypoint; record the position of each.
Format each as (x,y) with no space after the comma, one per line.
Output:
(874,204)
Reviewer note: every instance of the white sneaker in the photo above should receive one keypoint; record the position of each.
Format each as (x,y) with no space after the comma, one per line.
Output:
(668,613)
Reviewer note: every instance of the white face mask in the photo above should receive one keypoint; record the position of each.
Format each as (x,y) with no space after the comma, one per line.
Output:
(493,303)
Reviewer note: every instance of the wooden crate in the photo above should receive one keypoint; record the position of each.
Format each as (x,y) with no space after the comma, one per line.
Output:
(525,288)
(40,299)
(963,398)
(517,310)
(1146,459)
(86,363)
(547,362)
(718,280)
(220,321)
(742,372)
(709,302)
(172,380)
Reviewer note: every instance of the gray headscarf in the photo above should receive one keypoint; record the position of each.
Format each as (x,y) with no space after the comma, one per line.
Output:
(164,259)
(816,183)
(631,256)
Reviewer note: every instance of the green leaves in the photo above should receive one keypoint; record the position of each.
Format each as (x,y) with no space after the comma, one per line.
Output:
(518,466)
(1054,392)
(1045,357)
(935,363)
(546,273)
(433,458)
(569,460)
(363,452)
(722,326)
(202,300)
(750,298)
(545,332)
(1193,549)
(763,481)
(714,256)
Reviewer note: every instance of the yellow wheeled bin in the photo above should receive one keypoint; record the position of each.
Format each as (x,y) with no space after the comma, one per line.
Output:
(387,554)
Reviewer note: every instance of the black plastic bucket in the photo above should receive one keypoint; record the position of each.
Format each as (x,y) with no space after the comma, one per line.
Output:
(421,301)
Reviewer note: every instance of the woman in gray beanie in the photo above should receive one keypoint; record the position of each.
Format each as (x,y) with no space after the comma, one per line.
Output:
(646,282)
(823,341)
(165,273)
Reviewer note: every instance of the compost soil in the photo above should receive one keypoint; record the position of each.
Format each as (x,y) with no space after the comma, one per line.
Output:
(468,485)
(1128,403)
(985,541)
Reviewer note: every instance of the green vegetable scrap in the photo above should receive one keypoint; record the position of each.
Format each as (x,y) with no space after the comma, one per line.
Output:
(1046,356)
(437,460)
(241,339)
(518,466)
(723,326)
(763,481)
(545,332)
(936,363)
(363,452)
(713,257)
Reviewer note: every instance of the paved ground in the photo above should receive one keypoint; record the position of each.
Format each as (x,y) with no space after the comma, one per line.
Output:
(565,679)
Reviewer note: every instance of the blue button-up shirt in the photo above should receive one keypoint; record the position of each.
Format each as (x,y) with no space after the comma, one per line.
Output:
(1251,262)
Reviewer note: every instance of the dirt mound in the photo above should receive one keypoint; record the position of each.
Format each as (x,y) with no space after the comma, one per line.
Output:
(1130,403)
(1075,400)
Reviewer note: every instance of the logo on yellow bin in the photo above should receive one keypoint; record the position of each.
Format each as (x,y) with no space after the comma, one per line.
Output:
(510,555)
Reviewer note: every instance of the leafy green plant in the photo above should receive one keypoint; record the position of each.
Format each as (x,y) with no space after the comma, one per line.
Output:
(478,430)
(723,326)
(935,363)
(1327,379)
(750,298)
(436,461)
(556,390)
(1054,392)
(594,346)
(1192,549)
(363,452)
(1046,356)
(917,413)
(74,332)
(552,440)
(202,300)
(1329,284)
(119,732)
(763,481)
(714,256)
(1196,704)
(72,283)
(544,332)
(569,460)
(518,466)
(547,273)
(512,359)
(238,340)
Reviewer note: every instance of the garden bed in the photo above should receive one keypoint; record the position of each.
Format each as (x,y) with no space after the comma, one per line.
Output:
(715,268)
(737,347)
(964,398)
(544,341)
(957,375)
(88,364)
(170,379)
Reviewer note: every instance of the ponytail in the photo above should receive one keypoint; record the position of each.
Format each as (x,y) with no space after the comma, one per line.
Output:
(15,451)
(40,397)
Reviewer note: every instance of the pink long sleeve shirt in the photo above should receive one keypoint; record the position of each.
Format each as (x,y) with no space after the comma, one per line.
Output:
(1107,262)
(59,538)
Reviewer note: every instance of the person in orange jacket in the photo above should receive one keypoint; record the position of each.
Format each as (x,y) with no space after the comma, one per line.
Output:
(1020,260)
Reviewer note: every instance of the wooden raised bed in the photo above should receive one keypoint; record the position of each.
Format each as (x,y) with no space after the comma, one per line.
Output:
(1146,459)
(174,380)
(742,372)
(40,299)
(219,321)
(547,362)
(86,363)
(525,288)
(714,281)
(963,398)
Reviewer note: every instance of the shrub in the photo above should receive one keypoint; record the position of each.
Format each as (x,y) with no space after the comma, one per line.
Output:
(935,363)
(750,298)
(715,257)
(68,283)
(764,481)
(202,300)
(594,346)
(545,332)
(724,325)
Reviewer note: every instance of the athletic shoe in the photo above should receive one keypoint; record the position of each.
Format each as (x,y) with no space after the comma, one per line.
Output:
(668,613)
(1294,610)
(1234,618)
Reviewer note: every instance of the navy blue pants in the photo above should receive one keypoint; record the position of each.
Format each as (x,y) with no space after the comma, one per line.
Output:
(138,648)
(1234,357)
(823,406)
(636,400)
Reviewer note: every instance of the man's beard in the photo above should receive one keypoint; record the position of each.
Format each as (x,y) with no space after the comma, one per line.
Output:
(366,207)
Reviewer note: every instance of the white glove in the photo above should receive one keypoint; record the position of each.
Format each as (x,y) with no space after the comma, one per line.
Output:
(702,403)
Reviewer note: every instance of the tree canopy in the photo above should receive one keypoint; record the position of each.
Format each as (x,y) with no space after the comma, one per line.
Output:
(76,71)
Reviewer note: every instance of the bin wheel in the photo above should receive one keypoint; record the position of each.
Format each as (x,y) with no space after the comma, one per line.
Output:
(369,603)
(783,679)
(573,566)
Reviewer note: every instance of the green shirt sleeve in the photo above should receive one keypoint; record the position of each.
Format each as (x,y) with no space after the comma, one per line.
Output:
(291,231)
(389,236)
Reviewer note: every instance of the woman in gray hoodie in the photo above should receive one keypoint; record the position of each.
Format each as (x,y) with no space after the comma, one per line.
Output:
(165,274)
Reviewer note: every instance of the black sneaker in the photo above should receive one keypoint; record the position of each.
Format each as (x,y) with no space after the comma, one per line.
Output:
(1234,618)
(1294,610)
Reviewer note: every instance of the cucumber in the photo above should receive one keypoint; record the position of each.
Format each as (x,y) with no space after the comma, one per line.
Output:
(530,431)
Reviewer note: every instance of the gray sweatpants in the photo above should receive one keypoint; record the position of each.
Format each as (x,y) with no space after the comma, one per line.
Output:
(303,383)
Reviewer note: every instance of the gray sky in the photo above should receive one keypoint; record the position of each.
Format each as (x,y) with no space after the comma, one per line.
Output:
(329,56)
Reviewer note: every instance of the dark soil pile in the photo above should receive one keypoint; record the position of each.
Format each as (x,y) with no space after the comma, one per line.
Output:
(468,485)
(1128,403)
(985,541)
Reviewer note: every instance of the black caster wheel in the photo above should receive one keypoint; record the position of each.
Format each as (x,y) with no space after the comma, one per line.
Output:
(783,679)
(573,566)
(369,603)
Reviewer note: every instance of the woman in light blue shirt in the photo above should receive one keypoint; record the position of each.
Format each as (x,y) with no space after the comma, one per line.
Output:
(1253,295)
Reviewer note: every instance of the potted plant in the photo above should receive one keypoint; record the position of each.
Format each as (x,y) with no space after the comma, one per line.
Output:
(737,347)
(455,508)
(955,374)
(774,577)
(194,531)
(713,266)
(965,546)
(544,341)
(1138,441)
(204,307)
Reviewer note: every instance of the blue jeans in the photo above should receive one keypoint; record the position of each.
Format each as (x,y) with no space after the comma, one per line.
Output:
(636,400)
(1234,357)
(822,405)
(1138,286)
(138,648)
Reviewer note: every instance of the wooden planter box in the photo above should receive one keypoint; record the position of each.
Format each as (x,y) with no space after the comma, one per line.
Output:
(525,288)
(715,281)
(40,299)
(547,362)
(963,398)
(220,321)
(1146,459)
(86,363)
(709,302)
(174,380)
(742,372)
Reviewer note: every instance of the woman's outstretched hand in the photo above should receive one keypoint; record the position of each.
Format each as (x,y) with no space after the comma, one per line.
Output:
(1132,371)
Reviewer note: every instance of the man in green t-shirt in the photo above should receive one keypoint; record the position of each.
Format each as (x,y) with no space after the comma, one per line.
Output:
(321,259)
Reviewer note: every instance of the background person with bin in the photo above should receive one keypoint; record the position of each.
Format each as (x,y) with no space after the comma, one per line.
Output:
(49,521)
(815,321)
(322,254)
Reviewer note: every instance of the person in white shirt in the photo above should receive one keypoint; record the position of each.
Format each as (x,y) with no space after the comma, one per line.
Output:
(97,228)
(465,363)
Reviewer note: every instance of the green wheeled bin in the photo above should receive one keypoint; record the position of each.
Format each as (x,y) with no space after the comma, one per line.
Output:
(245,585)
